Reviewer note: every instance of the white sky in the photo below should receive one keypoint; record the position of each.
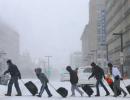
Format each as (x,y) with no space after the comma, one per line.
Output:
(47,27)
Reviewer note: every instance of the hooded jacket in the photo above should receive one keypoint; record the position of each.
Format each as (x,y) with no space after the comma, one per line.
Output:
(43,78)
(73,76)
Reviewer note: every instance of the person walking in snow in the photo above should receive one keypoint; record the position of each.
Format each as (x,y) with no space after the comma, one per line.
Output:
(15,75)
(98,73)
(73,81)
(44,80)
(117,77)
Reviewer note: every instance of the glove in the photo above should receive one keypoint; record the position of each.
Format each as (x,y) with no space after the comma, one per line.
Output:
(19,77)
(121,78)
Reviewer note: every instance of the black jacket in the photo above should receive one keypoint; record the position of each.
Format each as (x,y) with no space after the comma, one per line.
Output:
(43,78)
(97,72)
(73,76)
(14,71)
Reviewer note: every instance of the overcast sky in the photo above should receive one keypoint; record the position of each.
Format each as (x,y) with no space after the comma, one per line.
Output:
(47,27)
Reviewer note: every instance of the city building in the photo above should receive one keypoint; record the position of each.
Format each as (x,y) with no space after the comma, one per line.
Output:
(101,35)
(89,36)
(94,35)
(9,45)
(118,33)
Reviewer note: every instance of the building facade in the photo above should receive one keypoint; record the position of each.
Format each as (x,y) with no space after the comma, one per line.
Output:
(9,45)
(89,36)
(94,35)
(118,22)
(101,35)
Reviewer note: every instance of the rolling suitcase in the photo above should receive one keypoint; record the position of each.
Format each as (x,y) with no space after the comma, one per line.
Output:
(31,87)
(88,90)
(61,91)
(128,88)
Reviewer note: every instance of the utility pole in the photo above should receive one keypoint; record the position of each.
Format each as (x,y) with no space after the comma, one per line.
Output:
(48,58)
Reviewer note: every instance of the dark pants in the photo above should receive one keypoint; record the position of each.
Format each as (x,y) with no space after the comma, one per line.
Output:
(101,83)
(13,80)
(117,87)
(46,88)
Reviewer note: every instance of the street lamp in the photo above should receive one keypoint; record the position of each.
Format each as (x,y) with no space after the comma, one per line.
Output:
(48,57)
(121,53)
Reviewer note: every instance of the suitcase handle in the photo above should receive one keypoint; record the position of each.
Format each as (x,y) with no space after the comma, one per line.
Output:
(52,86)
(22,81)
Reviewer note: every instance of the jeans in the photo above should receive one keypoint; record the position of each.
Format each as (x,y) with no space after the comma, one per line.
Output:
(45,86)
(13,80)
(101,83)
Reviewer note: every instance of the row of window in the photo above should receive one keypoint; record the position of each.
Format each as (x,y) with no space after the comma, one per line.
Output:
(127,30)
(118,48)
(117,10)
(115,25)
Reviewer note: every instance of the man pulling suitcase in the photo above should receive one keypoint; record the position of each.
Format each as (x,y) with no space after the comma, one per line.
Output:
(15,75)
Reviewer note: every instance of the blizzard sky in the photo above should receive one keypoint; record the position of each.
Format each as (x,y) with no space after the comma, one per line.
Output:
(47,27)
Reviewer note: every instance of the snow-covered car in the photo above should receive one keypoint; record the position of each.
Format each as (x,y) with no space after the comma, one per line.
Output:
(83,74)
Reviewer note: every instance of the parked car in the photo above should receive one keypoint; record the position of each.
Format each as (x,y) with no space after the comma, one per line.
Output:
(83,74)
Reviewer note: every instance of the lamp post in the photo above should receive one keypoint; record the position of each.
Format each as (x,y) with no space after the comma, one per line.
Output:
(48,58)
(121,53)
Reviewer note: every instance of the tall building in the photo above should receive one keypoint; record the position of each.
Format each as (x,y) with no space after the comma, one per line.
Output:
(9,44)
(94,36)
(118,23)
(101,35)
(89,36)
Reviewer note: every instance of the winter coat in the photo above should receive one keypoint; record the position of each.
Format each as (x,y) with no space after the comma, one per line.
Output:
(97,72)
(14,71)
(73,77)
(43,78)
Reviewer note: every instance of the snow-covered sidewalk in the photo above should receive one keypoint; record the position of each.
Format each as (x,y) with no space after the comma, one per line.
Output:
(56,96)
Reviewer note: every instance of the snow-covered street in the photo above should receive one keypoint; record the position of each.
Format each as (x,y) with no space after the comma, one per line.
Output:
(27,96)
